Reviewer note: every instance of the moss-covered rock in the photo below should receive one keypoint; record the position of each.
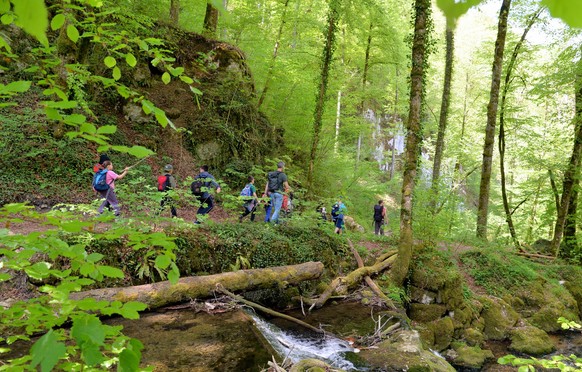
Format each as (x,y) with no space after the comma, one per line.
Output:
(469,356)
(426,313)
(499,317)
(422,296)
(443,330)
(312,365)
(404,352)
(426,334)
(432,269)
(473,337)
(452,292)
(575,290)
(531,340)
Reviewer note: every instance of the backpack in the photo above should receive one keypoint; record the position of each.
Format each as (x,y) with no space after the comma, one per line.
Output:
(378,213)
(196,187)
(246,191)
(164,183)
(273,181)
(99,180)
(335,211)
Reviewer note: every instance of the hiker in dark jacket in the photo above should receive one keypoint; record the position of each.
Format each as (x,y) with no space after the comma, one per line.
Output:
(275,188)
(206,199)
(169,184)
(249,193)
(379,217)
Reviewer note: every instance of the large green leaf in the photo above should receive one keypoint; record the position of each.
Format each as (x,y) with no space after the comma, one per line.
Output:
(33,18)
(88,328)
(140,151)
(58,21)
(454,9)
(111,272)
(109,61)
(73,33)
(47,351)
(570,11)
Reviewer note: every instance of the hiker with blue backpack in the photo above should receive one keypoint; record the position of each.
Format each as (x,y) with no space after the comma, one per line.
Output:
(200,188)
(167,182)
(104,184)
(249,195)
(338,211)
(275,188)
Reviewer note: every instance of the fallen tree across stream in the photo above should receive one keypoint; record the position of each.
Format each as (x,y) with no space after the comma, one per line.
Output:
(164,293)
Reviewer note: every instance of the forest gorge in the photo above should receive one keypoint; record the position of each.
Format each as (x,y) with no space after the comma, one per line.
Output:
(462,116)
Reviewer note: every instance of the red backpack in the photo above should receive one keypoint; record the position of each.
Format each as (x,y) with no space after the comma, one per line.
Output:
(163,182)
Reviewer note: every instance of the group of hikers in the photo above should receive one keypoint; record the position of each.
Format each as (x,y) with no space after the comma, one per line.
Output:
(276,191)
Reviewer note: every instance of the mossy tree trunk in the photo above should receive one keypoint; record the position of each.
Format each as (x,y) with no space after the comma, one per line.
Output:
(210,21)
(175,11)
(483,207)
(328,49)
(572,170)
(164,293)
(422,25)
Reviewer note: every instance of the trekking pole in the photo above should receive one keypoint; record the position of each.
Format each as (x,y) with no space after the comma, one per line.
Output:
(131,166)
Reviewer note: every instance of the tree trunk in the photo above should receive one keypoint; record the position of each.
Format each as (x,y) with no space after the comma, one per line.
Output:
(570,176)
(164,293)
(274,57)
(332,19)
(175,11)
(210,21)
(422,25)
(337,121)
(570,244)
(483,207)
(501,144)
(440,143)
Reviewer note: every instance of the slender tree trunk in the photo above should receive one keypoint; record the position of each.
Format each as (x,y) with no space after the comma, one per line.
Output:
(175,11)
(570,176)
(395,123)
(533,214)
(483,207)
(422,25)
(440,143)
(329,34)
(274,57)
(501,143)
(367,56)
(337,121)
(358,152)
(554,190)
(210,21)
(570,243)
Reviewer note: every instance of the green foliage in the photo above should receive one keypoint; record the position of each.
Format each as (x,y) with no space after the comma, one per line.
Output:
(497,271)
(62,259)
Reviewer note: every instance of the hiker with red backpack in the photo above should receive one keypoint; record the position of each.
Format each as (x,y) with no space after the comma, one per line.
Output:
(200,188)
(249,195)
(276,187)
(104,184)
(167,182)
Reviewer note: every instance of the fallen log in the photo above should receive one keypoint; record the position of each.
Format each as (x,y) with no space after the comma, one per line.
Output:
(371,283)
(536,255)
(164,293)
(266,310)
(352,279)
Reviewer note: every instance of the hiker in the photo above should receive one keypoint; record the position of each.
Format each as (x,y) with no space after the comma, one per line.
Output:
(379,216)
(249,193)
(98,167)
(337,215)
(167,182)
(109,194)
(200,188)
(275,188)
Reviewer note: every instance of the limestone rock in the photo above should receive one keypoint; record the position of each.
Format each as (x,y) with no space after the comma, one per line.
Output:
(426,313)
(499,318)
(469,356)
(404,352)
(531,340)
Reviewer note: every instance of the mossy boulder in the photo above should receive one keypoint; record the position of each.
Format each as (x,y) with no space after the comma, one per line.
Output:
(575,290)
(431,270)
(466,356)
(463,315)
(452,293)
(312,365)
(499,317)
(443,330)
(422,296)
(426,313)
(531,340)
(404,352)
(473,337)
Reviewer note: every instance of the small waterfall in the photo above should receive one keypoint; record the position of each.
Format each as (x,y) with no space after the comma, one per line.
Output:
(297,347)
(385,140)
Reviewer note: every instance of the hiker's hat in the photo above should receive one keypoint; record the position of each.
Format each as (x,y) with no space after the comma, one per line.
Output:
(168,167)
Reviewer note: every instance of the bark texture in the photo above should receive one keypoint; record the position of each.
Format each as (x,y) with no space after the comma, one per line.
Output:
(413,138)
(210,21)
(483,207)
(164,293)
(175,11)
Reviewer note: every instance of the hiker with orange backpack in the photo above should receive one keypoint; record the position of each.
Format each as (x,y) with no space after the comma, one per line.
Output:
(167,182)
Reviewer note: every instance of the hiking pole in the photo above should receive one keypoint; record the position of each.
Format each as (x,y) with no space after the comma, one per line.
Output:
(131,166)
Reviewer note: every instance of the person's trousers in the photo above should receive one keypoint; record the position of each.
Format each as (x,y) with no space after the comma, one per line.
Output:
(378,229)
(206,206)
(168,200)
(110,199)
(276,202)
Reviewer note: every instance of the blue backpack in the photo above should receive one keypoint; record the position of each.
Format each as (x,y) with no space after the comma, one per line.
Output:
(246,191)
(99,180)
